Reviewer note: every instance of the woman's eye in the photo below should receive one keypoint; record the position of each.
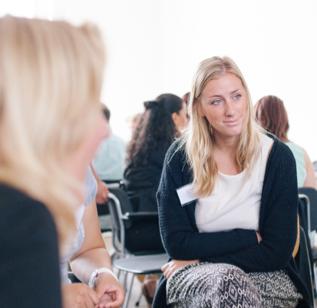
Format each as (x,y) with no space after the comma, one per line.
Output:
(237,97)
(216,102)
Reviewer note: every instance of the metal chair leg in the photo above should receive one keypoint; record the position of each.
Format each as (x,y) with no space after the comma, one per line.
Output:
(125,281)
(137,303)
(119,274)
(128,295)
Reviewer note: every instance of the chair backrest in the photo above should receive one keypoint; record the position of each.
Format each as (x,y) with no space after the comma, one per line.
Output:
(132,232)
(122,196)
(118,230)
(304,213)
(311,193)
(304,265)
(304,258)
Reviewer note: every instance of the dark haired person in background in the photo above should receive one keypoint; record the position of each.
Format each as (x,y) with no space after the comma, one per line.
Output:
(186,98)
(162,121)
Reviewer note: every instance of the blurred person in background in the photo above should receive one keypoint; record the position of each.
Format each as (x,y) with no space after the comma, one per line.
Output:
(109,159)
(271,114)
(163,120)
(186,98)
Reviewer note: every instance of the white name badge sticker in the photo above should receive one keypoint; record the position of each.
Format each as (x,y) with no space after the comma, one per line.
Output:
(186,194)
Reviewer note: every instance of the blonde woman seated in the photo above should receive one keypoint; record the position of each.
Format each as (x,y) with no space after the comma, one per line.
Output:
(50,127)
(228,218)
(272,116)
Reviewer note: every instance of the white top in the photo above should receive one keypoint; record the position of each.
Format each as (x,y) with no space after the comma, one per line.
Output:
(235,200)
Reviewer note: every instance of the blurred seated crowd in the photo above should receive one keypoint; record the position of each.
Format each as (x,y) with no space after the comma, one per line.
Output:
(221,174)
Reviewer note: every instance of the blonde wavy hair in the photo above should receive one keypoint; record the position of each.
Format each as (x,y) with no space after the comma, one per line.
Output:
(50,84)
(199,140)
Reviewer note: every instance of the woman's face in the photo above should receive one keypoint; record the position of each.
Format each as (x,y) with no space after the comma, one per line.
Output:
(180,118)
(223,102)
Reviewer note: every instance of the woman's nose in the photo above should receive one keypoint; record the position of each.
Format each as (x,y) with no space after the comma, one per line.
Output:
(229,110)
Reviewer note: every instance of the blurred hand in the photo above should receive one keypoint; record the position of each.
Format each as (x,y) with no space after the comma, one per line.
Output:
(79,295)
(169,268)
(259,237)
(102,192)
(109,290)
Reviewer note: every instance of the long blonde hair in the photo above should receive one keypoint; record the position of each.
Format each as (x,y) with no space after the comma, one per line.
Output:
(199,140)
(50,84)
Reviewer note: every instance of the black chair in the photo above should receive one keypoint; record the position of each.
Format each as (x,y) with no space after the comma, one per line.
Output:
(304,213)
(311,193)
(133,238)
(304,258)
(103,209)
(133,232)
(304,265)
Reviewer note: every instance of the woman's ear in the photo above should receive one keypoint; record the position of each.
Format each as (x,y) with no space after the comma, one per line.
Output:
(175,118)
(199,108)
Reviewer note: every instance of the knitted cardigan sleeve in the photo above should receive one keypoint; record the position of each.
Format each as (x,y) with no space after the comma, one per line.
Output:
(278,217)
(29,258)
(179,233)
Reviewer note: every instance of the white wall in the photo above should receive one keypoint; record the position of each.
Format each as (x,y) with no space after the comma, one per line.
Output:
(154,46)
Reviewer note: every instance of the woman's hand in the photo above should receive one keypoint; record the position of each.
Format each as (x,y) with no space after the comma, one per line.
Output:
(102,192)
(169,268)
(109,291)
(259,237)
(79,295)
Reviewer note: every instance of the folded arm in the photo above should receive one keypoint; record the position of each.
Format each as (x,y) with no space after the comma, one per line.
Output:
(279,227)
(180,236)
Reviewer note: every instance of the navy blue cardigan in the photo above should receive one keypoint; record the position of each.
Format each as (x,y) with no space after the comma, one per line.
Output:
(277,225)
(29,258)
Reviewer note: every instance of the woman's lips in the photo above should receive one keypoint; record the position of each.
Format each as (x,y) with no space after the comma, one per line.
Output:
(231,123)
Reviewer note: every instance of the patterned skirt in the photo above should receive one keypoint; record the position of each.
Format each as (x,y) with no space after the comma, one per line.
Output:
(219,285)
